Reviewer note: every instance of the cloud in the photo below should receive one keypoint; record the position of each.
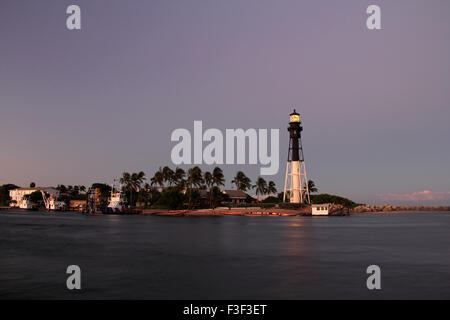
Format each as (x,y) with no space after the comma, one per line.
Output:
(420,196)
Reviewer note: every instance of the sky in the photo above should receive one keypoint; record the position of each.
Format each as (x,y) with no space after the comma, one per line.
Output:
(82,106)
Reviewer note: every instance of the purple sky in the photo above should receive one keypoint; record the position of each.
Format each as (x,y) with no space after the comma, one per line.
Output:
(78,107)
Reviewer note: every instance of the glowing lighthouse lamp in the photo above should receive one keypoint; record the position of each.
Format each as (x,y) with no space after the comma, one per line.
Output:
(296,182)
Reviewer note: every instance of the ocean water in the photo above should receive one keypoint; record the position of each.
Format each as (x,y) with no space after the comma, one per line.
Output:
(149,257)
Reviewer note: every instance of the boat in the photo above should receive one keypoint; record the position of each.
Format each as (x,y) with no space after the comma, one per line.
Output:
(116,203)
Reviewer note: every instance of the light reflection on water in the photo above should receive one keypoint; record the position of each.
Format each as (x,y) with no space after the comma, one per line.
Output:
(227,257)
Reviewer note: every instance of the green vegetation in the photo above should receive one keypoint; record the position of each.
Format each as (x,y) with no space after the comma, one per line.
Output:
(267,205)
(167,177)
(261,186)
(319,198)
(242,182)
(170,198)
(213,182)
(4,193)
(264,188)
(180,190)
(312,187)
(329,198)
(35,197)
(132,185)
(67,193)
(158,179)
(194,181)
(217,197)
(271,199)
(271,188)
(287,205)
(174,189)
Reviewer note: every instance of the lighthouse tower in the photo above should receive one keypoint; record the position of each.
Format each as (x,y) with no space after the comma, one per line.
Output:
(296,182)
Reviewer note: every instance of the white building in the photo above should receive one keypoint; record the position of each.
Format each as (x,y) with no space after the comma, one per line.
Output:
(321,209)
(18,197)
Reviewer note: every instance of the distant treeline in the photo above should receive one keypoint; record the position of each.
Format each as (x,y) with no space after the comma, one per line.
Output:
(177,189)
(315,198)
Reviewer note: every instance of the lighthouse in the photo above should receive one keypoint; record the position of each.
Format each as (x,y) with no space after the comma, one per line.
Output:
(296,182)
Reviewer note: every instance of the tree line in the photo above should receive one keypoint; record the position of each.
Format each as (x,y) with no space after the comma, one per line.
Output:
(170,188)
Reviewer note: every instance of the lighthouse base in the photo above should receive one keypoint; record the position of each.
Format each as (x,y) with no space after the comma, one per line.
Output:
(295,196)
(296,183)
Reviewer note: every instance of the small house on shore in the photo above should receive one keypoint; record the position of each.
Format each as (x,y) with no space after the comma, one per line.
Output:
(235,196)
(321,209)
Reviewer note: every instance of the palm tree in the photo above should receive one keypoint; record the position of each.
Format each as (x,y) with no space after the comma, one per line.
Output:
(132,183)
(158,179)
(271,189)
(213,182)
(194,180)
(209,182)
(242,182)
(137,180)
(261,186)
(216,196)
(125,180)
(218,177)
(168,175)
(312,186)
(143,195)
(207,177)
(61,188)
(179,176)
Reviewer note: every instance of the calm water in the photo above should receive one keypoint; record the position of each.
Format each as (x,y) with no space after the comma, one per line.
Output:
(224,257)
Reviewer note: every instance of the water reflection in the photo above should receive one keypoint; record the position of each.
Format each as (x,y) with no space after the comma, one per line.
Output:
(223,258)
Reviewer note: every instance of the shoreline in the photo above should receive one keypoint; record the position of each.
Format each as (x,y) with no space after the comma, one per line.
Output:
(249,212)
(401,212)
(276,212)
